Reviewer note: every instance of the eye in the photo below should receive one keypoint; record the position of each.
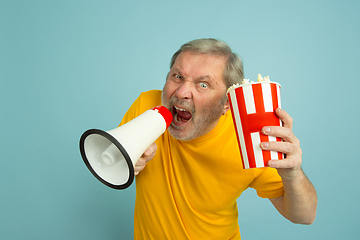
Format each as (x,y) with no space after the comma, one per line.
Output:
(203,85)
(177,77)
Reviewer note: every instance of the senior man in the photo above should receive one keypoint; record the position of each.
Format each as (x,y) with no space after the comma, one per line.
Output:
(189,188)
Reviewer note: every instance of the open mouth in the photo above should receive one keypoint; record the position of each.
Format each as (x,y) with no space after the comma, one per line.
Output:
(181,115)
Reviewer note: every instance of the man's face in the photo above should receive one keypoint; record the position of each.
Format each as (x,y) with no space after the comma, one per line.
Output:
(195,93)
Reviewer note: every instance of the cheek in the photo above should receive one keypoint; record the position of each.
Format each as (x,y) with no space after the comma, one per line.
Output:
(169,89)
(166,94)
(207,105)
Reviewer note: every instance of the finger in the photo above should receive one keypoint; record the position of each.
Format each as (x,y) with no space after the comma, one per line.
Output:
(137,169)
(150,151)
(140,162)
(284,133)
(283,147)
(285,163)
(145,157)
(285,118)
(140,165)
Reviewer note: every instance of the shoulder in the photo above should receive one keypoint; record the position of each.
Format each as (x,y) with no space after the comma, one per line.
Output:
(151,94)
(144,102)
(149,99)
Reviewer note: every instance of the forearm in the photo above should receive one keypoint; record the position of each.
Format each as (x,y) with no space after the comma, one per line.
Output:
(299,202)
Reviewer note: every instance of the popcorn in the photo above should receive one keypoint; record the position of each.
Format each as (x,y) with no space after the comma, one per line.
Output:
(261,79)
(233,87)
(247,81)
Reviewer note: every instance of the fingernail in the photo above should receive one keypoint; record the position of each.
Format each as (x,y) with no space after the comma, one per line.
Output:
(271,163)
(266,129)
(136,173)
(264,145)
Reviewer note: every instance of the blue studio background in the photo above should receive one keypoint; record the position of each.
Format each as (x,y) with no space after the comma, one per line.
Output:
(68,66)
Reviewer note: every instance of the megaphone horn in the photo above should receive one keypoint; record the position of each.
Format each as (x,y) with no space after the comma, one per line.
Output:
(111,156)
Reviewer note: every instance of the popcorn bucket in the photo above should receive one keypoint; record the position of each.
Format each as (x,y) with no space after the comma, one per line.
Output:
(253,107)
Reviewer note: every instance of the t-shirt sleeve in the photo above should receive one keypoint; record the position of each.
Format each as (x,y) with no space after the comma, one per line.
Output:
(268,183)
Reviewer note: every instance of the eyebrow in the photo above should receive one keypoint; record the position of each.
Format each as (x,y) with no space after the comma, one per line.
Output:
(204,77)
(177,70)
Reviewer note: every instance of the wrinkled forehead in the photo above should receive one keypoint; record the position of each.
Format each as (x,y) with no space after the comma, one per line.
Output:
(190,63)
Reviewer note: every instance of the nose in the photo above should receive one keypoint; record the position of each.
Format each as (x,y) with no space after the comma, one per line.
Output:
(184,91)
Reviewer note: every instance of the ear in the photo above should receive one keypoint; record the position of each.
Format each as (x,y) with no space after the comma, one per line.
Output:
(226,107)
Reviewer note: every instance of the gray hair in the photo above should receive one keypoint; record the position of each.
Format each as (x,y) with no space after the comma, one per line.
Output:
(234,71)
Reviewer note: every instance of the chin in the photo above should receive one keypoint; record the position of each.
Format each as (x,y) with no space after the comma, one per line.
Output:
(180,134)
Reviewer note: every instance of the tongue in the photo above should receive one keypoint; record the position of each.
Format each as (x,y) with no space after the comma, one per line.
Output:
(185,115)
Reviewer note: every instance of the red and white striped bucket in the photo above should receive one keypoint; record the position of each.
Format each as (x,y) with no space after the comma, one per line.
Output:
(253,107)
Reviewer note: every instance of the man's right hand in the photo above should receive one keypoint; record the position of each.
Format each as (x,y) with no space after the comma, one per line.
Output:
(146,157)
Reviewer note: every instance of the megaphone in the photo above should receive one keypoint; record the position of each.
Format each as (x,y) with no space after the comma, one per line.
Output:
(111,156)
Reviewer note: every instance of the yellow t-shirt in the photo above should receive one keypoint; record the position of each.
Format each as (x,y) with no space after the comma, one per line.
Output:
(189,189)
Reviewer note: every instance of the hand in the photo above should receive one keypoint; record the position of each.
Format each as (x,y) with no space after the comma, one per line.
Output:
(290,167)
(145,158)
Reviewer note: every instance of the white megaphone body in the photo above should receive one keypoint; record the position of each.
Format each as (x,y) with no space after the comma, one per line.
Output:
(111,156)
